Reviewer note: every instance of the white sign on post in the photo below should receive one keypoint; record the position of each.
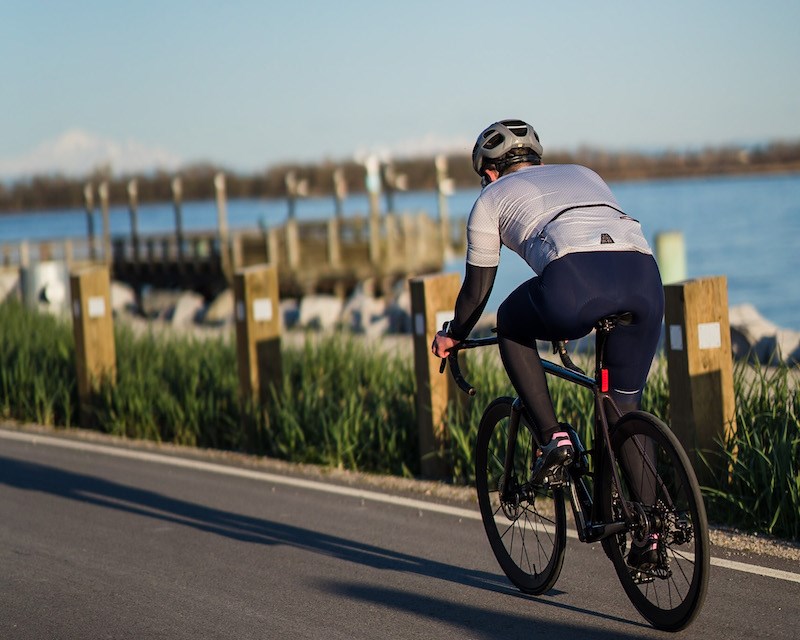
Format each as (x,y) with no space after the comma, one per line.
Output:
(419,324)
(96,307)
(262,310)
(709,335)
(675,337)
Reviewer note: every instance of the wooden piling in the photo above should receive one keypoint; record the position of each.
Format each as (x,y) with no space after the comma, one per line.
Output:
(177,199)
(292,243)
(702,402)
(102,192)
(222,225)
(273,246)
(133,210)
(339,191)
(93,328)
(432,301)
(393,250)
(372,166)
(24,254)
(334,244)
(88,198)
(444,188)
(258,341)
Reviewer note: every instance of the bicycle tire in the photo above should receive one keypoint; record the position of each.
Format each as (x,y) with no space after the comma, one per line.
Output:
(528,537)
(670,594)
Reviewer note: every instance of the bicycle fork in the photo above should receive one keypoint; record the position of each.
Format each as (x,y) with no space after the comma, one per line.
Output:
(508,492)
(512,491)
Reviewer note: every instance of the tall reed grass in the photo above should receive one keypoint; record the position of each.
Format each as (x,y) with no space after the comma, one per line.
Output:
(345,404)
(37,367)
(762,489)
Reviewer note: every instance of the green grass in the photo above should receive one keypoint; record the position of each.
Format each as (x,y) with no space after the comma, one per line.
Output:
(37,370)
(762,490)
(345,405)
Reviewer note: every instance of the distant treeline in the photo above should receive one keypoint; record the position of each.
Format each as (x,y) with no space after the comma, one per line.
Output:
(56,191)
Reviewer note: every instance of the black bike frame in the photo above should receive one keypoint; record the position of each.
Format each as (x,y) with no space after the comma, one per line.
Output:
(582,503)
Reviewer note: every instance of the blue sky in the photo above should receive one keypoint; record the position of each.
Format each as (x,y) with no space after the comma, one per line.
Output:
(251,84)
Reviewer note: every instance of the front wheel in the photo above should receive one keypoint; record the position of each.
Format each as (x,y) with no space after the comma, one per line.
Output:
(526,525)
(666,584)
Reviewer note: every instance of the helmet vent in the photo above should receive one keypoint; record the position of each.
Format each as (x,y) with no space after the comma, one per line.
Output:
(517,127)
(495,140)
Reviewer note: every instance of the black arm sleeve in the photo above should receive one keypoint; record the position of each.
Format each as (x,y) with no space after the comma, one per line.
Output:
(472,299)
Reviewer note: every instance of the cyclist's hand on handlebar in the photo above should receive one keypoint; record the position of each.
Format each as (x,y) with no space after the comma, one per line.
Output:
(442,344)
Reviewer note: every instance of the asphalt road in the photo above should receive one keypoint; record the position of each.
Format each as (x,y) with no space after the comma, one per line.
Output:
(107,542)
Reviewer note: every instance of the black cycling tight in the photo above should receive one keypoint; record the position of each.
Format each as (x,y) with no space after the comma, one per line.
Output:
(564,303)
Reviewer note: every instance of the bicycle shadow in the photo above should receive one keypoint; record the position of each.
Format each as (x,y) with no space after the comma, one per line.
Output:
(483,622)
(103,493)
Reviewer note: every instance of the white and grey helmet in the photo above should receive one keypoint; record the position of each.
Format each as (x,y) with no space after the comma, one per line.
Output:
(498,139)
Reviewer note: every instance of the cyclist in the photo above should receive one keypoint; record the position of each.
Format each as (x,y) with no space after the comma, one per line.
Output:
(592,260)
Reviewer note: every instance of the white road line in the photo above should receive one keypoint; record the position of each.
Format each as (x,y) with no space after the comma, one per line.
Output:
(314,485)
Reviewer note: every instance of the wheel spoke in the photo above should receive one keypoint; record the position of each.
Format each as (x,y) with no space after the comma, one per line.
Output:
(528,545)
(660,487)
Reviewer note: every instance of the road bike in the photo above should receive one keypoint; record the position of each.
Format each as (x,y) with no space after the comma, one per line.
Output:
(635,486)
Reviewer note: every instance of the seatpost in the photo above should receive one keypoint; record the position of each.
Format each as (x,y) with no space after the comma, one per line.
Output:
(604,327)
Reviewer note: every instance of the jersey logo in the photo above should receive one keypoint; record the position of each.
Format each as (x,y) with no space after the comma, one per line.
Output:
(606,239)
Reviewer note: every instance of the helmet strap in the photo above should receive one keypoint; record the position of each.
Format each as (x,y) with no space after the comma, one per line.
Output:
(503,165)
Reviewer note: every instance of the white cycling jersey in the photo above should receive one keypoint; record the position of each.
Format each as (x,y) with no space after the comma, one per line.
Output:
(544,212)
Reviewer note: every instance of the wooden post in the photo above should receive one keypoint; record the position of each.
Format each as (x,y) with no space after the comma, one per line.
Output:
(391,256)
(24,254)
(444,188)
(88,197)
(432,301)
(133,209)
(373,183)
(273,247)
(702,403)
(292,243)
(222,225)
(237,251)
(258,340)
(339,191)
(93,328)
(102,191)
(334,244)
(290,182)
(388,181)
(177,198)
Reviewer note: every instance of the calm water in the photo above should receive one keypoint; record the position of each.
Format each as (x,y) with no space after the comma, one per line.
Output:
(746,228)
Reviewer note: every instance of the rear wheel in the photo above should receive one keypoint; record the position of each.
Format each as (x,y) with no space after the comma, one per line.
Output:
(526,525)
(659,486)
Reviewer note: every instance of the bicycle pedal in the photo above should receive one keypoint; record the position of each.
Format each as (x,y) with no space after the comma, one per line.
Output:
(558,477)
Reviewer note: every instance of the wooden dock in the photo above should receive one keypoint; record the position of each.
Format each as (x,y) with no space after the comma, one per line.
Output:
(320,256)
